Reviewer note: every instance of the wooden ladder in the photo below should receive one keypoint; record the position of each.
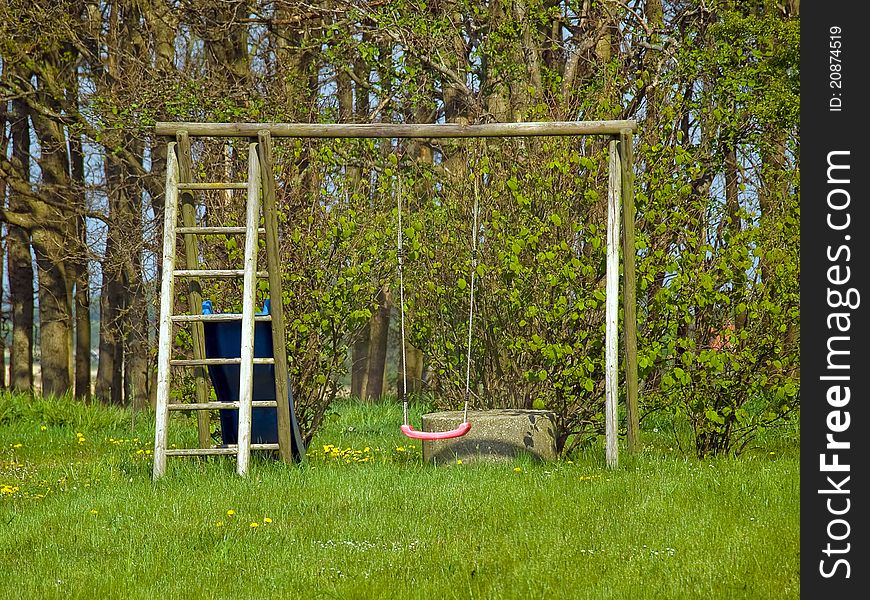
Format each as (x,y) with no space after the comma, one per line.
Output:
(260,186)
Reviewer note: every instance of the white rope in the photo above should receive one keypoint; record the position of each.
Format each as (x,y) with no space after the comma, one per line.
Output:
(471,302)
(400,254)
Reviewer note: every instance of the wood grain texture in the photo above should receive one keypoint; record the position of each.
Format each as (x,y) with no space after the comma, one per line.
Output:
(249,292)
(629,293)
(167,294)
(398,130)
(273,266)
(194,288)
(611,310)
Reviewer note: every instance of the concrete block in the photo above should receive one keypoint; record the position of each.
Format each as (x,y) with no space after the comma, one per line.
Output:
(498,435)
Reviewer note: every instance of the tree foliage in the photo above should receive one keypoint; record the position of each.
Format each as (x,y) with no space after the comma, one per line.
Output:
(714,87)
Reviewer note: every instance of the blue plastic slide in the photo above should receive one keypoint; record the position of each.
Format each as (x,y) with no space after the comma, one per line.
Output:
(224,340)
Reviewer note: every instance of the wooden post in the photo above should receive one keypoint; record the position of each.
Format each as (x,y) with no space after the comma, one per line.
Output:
(273,264)
(611,312)
(629,295)
(194,289)
(167,296)
(246,368)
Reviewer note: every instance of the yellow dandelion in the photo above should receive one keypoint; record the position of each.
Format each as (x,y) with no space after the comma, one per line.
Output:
(458,461)
(518,470)
(18,445)
(400,448)
(267,520)
(231,512)
(219,524)
(94,511)
(43,428)
(254,525)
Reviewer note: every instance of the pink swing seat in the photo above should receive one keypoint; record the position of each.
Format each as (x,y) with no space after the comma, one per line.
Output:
(436,435)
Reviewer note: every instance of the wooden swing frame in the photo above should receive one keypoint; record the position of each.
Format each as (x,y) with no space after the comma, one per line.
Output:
(620,190)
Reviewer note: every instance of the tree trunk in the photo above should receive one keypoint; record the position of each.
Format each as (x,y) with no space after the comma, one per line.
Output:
(360,362)
(103,386)
(4,147)
(774,189)
(135,323)
(113,298)
(732,219)
(414,360)
(55,312)
(82,296)
(379,330)
(136,364)
(3,347)
(226,43)
(355,107)
(20,262)
(54,244)
(457,103)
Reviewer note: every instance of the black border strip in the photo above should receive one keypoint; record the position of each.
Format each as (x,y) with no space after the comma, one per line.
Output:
(834,250)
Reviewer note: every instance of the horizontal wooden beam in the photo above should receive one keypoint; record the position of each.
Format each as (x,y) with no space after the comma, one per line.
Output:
(397,130)
(216,230)
(234,449)
(214,185)
(223,273)
(201,362)
(216,317)
(219,405)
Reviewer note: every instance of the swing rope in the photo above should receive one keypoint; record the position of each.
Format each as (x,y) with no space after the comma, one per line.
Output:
(401,254)
(465,426)
(471,303)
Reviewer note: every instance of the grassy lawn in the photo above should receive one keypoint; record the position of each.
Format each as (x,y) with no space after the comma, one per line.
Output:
(80,517)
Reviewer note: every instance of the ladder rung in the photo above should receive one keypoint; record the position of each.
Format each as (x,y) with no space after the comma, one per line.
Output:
(220,405)
(217,317)
(196,362)
(200,451)
(216,273)
(234,449)
(216,185)
(216,230)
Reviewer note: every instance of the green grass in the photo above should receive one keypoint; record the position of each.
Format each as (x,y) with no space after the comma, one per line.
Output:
(366,519)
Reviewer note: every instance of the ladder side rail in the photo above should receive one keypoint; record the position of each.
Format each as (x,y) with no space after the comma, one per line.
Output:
(167,296)
(194,288)
(273,266)
(246,368)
